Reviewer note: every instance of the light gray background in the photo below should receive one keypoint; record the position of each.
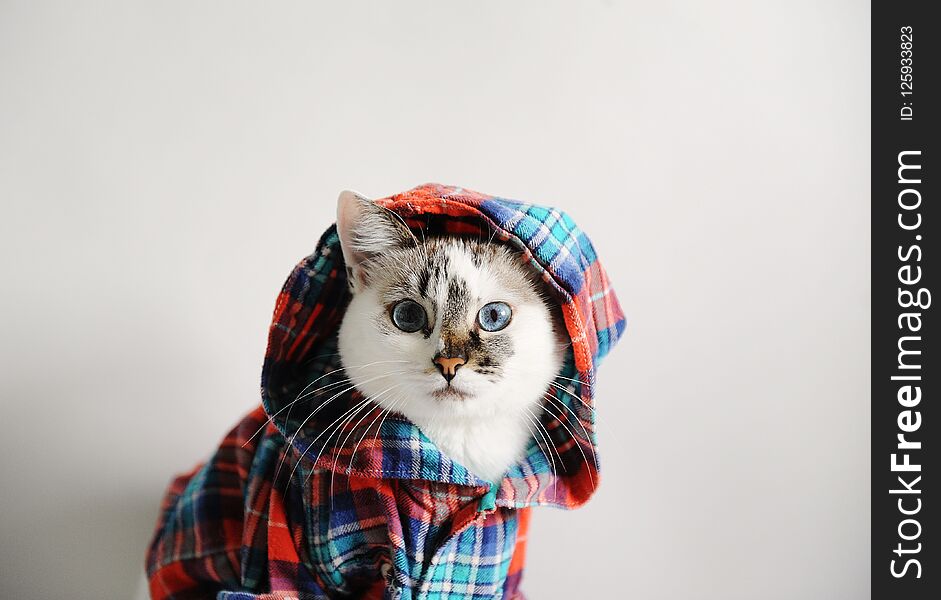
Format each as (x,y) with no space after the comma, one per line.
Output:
(164,165)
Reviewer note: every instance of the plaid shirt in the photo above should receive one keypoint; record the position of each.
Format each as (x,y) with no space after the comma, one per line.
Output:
(360,505)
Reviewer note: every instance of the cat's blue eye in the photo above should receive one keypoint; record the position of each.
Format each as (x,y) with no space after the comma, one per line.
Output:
(409,316)
(494,316)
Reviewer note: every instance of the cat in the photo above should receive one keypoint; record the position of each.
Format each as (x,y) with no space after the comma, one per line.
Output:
(441,381)
(453,333)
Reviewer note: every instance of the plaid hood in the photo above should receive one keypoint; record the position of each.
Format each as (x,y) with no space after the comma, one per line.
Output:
(364,504)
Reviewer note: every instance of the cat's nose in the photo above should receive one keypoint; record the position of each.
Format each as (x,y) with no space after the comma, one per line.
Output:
(448,365)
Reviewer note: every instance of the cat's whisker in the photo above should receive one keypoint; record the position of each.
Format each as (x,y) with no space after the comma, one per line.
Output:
(388,412)
(375,362)
(559,403)
(313,358)
(339,447)
(336,458)
(303,393)
(493,234)
(401,220)
(546,450)
(336,426)
(301,426)
(320,390)
(347,379)
(548,438)
(342,417)
(366,432)
(540,429)
(527,423)
(322,405)
(574,439)
(575,380)
(288,405)
(531,434)
(562,389)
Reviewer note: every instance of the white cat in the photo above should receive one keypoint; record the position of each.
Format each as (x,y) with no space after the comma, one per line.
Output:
(451,332)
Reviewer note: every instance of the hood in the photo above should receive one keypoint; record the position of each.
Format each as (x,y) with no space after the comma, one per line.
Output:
(329,425)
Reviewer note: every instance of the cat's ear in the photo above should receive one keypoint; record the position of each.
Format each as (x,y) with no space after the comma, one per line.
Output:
(366,230)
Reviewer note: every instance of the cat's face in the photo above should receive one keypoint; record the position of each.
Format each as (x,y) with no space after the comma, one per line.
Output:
(444,328)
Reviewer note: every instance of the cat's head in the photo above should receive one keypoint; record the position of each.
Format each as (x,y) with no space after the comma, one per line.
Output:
(444,327)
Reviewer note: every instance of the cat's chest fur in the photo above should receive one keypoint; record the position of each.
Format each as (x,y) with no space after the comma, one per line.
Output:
(486,447)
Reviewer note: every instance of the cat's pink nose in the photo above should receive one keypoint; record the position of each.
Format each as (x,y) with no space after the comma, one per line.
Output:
(448,365)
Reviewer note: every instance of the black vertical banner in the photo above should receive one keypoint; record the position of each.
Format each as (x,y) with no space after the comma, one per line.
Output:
(906,161)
